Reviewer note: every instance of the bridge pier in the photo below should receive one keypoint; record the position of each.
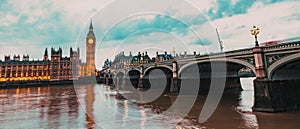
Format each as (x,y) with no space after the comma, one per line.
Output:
(174,82)
(273,95)
(260,61)
(141,79)
(276,96)
(120,82)
(233,83)
(174,85)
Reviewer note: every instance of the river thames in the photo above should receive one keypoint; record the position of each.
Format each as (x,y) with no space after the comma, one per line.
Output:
(96,106)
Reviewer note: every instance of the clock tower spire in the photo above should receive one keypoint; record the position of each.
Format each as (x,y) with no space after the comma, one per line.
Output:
(90,51)
(91,29)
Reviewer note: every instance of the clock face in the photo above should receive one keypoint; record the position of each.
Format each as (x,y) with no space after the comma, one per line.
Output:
(91,41)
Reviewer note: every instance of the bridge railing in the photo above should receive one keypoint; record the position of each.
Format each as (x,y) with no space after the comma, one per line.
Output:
(281,46)
(246,51)
(158,63)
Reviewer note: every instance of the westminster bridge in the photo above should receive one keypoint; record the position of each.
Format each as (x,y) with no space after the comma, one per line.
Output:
(275,67)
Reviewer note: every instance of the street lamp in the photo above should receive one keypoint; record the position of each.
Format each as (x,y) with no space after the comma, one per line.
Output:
(255,31)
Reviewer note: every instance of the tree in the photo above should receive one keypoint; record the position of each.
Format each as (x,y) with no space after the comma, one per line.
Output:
(107,64)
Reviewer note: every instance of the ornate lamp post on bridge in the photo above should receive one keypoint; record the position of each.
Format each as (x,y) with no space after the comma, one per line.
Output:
(258,56)
(255,31)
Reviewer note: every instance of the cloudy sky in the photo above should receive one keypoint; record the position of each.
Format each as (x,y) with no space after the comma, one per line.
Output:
(30,26)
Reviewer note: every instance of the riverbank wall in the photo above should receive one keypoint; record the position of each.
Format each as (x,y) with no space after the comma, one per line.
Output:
(40,83)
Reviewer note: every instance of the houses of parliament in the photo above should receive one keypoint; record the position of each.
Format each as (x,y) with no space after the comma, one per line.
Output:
(54,67)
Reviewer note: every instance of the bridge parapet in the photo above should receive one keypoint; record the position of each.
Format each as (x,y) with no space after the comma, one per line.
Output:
(157,64)
(242,54)
(246,51)
(282,46)
(281,51)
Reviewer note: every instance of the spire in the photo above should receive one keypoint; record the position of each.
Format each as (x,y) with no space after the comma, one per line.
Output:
(91,25)
(46,52)
(91,29)
(71,50)
(45,55)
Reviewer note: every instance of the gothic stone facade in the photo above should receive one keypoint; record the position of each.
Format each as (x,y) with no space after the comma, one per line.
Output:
(57,68)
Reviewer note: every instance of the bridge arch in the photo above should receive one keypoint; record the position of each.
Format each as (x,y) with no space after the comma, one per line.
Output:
(282,62)
(227,60)
(157,67)
(132,78)
(119,78)
(165,74)
(135,72)
(120,74)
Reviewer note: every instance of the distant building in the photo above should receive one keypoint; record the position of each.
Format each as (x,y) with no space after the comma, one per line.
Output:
(64,68)
(57,68)
(185,55)
(122,61)
(140,59)
(162,57)
(20,70)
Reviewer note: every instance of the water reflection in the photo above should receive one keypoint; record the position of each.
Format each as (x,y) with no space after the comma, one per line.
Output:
(89,98)
(53,112)
(246,101)
(143,117)
(38,107)
(99,106)
(125,114)
(249,121)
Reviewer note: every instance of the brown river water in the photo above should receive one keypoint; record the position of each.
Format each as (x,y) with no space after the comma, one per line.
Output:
(95,106)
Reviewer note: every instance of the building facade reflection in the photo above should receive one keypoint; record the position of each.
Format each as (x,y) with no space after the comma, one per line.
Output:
(58,107)
(89,100)
(45,105)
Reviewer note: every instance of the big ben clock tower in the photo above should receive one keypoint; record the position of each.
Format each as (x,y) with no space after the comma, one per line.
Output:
(90,52)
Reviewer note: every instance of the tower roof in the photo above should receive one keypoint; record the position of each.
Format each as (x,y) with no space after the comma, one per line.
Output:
(46,52)
(91,29)
(91,25)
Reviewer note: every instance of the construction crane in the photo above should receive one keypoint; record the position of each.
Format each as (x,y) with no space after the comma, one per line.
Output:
(220,42)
